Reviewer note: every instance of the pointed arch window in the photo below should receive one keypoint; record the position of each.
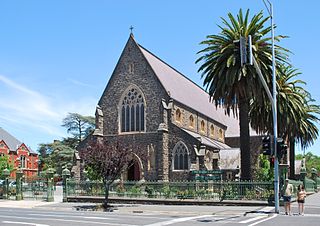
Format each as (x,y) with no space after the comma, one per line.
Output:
(178,115)
(180,155)
(202,126)
(220,134)
(191,121)
(132,111)
(212,131)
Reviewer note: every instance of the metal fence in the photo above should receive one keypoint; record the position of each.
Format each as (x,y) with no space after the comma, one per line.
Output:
(31,188)
(35,188)
(209,190)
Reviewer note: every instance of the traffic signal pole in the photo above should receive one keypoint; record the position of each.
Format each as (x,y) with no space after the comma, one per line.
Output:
(275,121)
(243,42)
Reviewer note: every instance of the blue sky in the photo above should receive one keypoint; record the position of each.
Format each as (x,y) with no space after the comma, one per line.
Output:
(57,56)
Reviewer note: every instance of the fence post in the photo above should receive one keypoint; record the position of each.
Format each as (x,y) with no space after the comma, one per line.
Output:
(314,175)
(6,174)
(19,175)
(303,173)
(50,173)
(65,175)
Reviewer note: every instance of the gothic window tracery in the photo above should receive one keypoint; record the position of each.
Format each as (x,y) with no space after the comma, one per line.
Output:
(180,157)
(132,111)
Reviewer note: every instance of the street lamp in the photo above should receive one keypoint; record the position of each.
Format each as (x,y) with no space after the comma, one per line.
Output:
(274,111)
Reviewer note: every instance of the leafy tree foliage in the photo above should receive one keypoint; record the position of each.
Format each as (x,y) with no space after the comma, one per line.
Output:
(5,163)
(108,160)
(56,155)
(312,161)
(78,125)
(264,171)
(59,153)
(232,85)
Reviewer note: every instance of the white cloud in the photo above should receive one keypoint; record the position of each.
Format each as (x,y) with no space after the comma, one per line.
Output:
(31,110)
(78,83)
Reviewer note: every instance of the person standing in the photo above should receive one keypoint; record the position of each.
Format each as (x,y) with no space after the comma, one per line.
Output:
(301,194)
(288,190)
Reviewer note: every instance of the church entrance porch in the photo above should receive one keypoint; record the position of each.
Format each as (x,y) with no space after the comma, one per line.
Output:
(134,172)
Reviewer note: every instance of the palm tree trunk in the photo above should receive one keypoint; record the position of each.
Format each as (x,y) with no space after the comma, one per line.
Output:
(245,139)
(292,159)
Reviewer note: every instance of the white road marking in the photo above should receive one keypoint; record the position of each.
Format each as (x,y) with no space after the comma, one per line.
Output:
(25,223)
(70,216)
(177,220)
(79,221)
(258,222)
(102,218)
(251,219)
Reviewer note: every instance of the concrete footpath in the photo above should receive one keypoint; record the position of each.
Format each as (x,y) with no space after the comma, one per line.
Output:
(234,206)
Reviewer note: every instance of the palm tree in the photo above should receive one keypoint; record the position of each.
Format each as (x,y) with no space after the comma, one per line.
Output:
(231,85)
(296,115)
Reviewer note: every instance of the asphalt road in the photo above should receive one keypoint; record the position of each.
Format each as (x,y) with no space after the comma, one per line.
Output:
(44,217)
(154,215)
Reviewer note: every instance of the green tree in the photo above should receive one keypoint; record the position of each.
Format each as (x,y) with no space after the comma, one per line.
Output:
(78,125)
(264,171)
(5,163)
(312,161)
(56,155)
(231,85)
(297,116)
(107,161)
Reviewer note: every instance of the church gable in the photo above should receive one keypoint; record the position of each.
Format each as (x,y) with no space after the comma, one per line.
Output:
(132,78)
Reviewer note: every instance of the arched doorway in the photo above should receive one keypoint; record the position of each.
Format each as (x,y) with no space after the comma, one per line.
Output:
(134,172)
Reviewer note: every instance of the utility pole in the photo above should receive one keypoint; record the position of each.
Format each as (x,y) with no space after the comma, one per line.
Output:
(272,98)
(274,110)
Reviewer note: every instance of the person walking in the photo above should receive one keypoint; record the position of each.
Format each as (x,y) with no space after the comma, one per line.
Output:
(301,194)
(288,190)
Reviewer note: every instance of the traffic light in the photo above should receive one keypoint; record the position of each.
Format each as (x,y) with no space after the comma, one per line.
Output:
(271,161)
(267,145)
(281,148)
(245,46)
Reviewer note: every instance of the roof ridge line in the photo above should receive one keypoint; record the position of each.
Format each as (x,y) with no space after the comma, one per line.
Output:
(174,69)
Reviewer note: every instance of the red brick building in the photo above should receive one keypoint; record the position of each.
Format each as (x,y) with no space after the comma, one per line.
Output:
(19,154)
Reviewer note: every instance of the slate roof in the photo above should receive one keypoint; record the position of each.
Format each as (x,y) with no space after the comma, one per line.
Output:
(12,142)
(183,90)
(207,141)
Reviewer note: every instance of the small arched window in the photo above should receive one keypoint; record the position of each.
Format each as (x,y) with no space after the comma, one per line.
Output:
(212,131)
(178,115)
(191,121)
(180,157)
(202,126)
(220,134)
(132,111)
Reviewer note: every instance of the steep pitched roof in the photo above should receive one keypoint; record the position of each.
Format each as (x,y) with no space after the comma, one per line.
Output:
(12,142)
(183,90)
